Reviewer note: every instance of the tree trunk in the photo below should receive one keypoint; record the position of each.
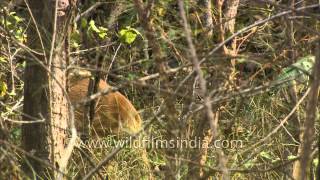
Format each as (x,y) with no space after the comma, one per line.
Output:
(227,12)
(230,13)
(309,128)
(206,17)
(295,119)
(44,89)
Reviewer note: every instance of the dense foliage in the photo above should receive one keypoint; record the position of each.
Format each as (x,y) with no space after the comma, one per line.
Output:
(254,84)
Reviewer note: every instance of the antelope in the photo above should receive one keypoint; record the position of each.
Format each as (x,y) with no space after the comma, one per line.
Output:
(114,113)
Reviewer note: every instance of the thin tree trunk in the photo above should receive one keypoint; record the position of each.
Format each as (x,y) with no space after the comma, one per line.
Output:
(145,18)
(230,14)
(218,6)
(318,168)
(204,134)
(296,123)
(227,12)
(309,127)
(210,119)
(206,17)
(44,90)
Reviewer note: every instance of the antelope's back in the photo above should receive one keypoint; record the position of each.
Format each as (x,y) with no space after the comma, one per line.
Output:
(114,113)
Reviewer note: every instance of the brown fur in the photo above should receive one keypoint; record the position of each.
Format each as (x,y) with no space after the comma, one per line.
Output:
(114,113)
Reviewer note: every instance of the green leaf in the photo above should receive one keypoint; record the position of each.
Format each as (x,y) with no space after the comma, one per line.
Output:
(12,93)
(20,34)
(3,88)
(249,164)
(134,30)
(129,35)
(75,39)
(15,133)
(24,64)
(3,60)
(315,162)
(102,35)
(84,23)
(161,11)
(93,27)
(276,160)
(18,19)
(12,13)
(265,155)
(131,76)
(291,157)
(75,45)
(101,31)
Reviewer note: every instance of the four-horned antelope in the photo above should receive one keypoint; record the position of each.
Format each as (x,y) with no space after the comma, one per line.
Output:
(114,113)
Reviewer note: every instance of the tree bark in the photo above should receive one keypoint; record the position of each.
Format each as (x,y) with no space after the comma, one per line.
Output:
(230,13)
(227,12)
(309,128)
(44,88)
(206,17)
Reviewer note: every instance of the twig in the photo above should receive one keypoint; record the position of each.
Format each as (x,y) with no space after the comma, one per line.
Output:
(89,10)
(37,29)
(54,33)
(112,61)
(213,122)
(91,49)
